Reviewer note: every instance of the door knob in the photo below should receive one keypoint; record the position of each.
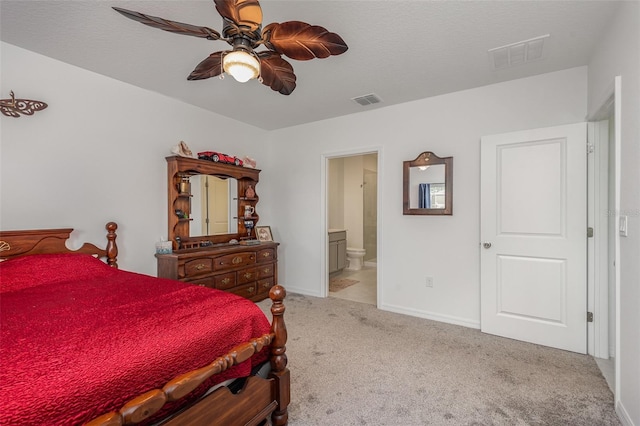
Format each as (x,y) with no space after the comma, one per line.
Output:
(486,245)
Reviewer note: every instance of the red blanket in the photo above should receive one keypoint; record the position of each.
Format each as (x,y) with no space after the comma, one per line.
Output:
(79,339)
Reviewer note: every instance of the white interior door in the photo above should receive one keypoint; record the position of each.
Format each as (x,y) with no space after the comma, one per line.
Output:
(534,236)
(215,198)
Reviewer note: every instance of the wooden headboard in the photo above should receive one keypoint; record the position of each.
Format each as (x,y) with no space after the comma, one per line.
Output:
(47,241)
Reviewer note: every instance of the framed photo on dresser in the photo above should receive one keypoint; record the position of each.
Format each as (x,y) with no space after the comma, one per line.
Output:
(263,233)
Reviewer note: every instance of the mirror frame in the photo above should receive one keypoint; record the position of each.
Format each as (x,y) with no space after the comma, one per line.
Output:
(177,167)
(428,158)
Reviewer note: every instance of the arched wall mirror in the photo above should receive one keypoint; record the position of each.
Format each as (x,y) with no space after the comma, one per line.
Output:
(428,185)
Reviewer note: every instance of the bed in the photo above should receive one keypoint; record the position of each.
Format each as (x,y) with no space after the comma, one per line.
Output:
(86,343)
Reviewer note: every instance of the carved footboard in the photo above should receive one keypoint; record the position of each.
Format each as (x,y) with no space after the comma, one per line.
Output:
(259,399)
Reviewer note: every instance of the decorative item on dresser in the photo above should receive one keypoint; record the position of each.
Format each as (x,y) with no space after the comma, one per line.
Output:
(225,366)
(216,251)
(263,233)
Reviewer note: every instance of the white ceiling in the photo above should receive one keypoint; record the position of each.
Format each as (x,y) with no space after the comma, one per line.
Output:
(401,50)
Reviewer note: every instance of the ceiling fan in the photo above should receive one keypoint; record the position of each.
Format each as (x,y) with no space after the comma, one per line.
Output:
(242,29)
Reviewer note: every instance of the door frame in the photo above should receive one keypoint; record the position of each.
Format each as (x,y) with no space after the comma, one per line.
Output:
(597,246)
(324,216)
(611,106)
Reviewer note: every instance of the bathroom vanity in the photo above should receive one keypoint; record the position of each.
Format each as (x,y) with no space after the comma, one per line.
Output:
(337,250)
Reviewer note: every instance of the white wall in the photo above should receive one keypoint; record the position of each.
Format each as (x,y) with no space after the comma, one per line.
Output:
(619,54)
(448,125)
(97,154)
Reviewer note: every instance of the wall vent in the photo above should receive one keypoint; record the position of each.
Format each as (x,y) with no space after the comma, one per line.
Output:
(517,53)
(367,99)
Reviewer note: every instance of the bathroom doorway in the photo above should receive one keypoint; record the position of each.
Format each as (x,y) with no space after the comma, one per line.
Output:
(352,202)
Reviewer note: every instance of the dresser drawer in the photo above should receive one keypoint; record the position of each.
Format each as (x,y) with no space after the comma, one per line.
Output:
(248,290)
(249,271)
(266,270)
(225,281)
(204,282)
(266,255)
(247,275)
(198,267)
(234,260)
(264,285)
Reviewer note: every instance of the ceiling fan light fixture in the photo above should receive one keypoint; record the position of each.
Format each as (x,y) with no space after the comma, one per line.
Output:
(241,65)
(242,29)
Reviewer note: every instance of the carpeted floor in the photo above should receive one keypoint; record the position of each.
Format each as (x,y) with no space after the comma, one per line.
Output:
(352,364)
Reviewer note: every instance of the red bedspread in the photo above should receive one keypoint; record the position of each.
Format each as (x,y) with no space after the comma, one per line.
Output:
(79,338)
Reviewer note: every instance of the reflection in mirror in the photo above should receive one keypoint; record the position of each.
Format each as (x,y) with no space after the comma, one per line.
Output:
(213,206)
(428,185)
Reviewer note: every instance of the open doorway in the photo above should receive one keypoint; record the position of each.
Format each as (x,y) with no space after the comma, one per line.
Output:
(352,201)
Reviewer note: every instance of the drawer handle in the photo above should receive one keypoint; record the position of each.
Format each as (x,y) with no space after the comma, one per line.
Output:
(236,260)
(248,275)
(266,270)
(200,266)
(226,281)
(265,285)
(266,254)
(251,290)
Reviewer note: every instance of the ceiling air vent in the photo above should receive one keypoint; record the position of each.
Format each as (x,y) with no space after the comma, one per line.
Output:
(517,53)
(367,99)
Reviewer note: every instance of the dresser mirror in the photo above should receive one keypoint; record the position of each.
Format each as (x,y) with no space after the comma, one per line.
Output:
(208,202)
(428,185)
(214,205)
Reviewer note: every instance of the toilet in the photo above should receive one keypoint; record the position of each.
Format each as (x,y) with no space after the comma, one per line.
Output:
(354,258)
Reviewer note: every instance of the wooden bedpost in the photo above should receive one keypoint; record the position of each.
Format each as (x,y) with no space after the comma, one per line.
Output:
(112,248)
(279,370)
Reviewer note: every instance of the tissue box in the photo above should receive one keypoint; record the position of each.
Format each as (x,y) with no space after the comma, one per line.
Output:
(164,247)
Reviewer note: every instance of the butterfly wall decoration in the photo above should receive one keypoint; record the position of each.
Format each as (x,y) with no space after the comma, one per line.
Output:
(16,107)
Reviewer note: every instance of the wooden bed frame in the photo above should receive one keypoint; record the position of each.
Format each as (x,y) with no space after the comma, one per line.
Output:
(259,400)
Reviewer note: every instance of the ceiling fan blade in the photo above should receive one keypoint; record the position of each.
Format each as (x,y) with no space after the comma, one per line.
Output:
(210,67)
(302,41)
(244,13)
(171,26)
(276,73)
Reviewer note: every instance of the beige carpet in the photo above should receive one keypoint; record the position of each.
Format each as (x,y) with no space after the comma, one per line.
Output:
(352,364)
(337,284)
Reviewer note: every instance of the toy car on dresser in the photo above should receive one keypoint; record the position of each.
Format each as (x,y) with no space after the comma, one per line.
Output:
(219,157)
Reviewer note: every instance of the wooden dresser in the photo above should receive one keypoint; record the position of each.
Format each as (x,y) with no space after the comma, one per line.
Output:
(207,257)
(248,271)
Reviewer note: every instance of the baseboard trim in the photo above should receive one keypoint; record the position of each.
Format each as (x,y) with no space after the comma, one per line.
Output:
(449,319)
(623,415)
(301,291)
